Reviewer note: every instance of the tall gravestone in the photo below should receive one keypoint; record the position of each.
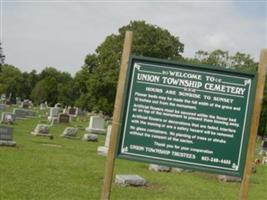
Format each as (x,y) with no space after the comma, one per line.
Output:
(53,114)
(96,125)
(43,106)
(103,150)
(6,137)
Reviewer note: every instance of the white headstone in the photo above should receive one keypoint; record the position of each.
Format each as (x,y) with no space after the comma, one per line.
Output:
(8,118)
(130,180)
(159,168)
(103,150)
(43,106)
(96,125)
(108,135)
(53,114)
(90,137)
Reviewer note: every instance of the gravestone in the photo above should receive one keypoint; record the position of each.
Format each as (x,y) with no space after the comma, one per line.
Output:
(90,137)
(70,132)
(159,168)
(53,114)
(2,106)
(63,118)
(6,138)
(226,178)
(58,105)
(8,118)
(264,144)
(264,160)
(18,100)
(130,180)
(23,113)
(81,112)
(73,112)
(43,106)
(103,150)
(96,125)
(25,104)
(42,130)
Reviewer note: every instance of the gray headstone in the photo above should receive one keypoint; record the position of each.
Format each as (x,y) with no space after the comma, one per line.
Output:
(264,144)
(262,152)
(264,160)
(54,112)
(23,113)
(176,169)
(8,118)
(70,132)
(63,118)
(226,178)
(43,106)
(2,106)
(6,133)
(25,104)
(90,137)
(73,112)
(96,125)
(6,136)
(159,168)
(130,180)
(42,130)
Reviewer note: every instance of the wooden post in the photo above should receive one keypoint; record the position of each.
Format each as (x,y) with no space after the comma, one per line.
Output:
(255,123)
(116,116)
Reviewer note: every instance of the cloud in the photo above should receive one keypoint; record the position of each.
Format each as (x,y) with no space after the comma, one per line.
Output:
(59,34)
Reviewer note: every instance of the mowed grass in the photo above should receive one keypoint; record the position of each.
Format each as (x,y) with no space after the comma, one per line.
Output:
(65,169)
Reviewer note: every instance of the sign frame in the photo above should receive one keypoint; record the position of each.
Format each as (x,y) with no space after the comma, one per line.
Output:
(166,63)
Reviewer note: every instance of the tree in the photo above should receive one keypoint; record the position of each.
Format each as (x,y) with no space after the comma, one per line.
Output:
(220,58)
(102,68)
(9,80)
(240,61)
(54,86)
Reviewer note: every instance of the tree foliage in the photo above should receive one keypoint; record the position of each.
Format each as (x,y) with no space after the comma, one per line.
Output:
(101,69)
(220,58)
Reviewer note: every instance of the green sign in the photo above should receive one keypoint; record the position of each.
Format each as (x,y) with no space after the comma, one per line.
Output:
(186,116)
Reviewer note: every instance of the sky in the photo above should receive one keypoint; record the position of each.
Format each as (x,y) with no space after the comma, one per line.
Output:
(37,34)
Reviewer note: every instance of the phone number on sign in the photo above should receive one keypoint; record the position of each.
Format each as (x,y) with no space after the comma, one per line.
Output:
(216,160)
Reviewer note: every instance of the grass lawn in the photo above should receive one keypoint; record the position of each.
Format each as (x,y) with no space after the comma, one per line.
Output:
(64,169)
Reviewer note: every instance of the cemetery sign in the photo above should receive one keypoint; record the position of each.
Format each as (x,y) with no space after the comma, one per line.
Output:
(187,116)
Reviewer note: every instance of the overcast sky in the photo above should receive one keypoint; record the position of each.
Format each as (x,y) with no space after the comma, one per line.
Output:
(36,34)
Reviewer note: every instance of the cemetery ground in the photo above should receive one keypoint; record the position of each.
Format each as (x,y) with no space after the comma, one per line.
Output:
(70,169)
